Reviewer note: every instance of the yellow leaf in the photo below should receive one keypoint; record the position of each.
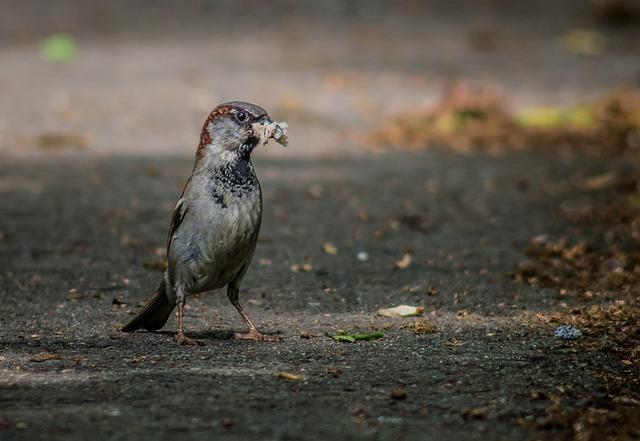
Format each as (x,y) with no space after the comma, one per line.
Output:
(330,249)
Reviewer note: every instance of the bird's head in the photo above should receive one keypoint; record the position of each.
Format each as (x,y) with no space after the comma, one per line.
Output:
(236,128)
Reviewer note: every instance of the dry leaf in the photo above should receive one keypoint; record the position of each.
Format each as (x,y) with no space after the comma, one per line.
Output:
(45,356)
(476,413)
(305,268)
(404,262)
(159,265)
(398,393)
(423,327)
(73,294)
(289,376)
(62,141)
(330,249)
(599,182)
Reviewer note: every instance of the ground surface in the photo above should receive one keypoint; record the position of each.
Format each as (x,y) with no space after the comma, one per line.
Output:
(79,232)
(94,152)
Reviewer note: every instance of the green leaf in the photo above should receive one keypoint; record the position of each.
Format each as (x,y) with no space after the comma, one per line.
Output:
(352,338)
(368,337)
(59,48)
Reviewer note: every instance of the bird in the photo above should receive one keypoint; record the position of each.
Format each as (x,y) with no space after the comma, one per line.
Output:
(215,224)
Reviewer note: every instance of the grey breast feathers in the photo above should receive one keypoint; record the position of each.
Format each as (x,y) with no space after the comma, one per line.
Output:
(214,241)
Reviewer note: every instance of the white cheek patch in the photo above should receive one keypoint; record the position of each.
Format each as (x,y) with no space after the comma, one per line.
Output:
(275,130)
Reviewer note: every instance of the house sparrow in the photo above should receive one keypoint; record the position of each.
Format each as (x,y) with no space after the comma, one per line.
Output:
(215,224)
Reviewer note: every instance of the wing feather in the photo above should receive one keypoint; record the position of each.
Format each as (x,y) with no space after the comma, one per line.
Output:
(179,213)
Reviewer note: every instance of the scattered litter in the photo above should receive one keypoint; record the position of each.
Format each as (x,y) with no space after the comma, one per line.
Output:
(265,262)
(342,336)
(479,120)
(73,294)
(600,182)
(45,356)
(404,262)
(423,327)
(432,290)
(289,376)
(363,256)
(305,268)
(389,420)
(455,342)
(567,332)
(119,302)
(158,265)
(476,413)
(330,249)
(398,393)
(305,334)
(61,141)
(401,311)
(335,372)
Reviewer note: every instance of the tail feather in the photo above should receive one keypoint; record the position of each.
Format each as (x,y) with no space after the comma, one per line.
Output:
(154,314)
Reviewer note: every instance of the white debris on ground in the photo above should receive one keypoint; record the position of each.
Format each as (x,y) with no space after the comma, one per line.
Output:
(401,311)
(567,332)
(363,256)
(275,130)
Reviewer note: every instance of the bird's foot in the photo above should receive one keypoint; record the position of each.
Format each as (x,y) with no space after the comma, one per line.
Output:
(256,336)
(186,341)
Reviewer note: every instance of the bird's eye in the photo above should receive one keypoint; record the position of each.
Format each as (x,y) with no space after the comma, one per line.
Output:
(241,116)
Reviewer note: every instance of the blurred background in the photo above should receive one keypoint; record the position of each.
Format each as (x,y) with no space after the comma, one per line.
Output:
(140,77)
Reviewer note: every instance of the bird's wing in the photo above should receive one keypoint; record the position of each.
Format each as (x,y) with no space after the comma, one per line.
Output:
(179,213)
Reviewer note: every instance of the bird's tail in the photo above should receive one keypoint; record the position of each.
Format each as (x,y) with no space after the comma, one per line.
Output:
(154,314)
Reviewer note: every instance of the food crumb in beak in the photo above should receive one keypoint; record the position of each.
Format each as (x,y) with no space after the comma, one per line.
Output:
(275,130)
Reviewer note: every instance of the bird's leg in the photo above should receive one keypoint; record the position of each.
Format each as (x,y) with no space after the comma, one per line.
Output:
(233,292)
(180,337)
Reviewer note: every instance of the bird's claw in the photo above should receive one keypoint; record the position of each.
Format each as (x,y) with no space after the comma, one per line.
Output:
(186,341)
(256,336)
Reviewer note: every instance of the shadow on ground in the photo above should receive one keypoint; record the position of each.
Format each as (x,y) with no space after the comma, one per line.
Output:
(83,238)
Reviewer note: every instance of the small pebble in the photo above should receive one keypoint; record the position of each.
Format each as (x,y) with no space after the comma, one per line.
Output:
(363,256)
(567,332)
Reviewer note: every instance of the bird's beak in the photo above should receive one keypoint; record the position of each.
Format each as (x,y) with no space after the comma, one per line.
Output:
(266,129)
